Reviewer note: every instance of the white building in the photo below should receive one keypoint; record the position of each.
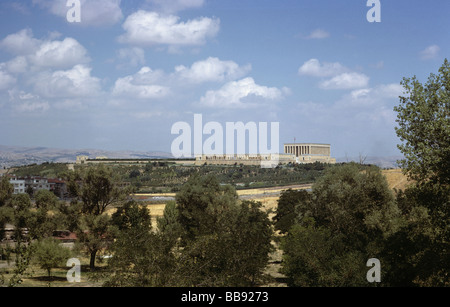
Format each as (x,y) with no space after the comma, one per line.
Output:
(19,185)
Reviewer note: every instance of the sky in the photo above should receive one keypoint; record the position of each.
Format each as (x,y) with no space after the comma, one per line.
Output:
(120,76)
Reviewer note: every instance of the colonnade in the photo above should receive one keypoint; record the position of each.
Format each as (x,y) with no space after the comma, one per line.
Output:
(297,150)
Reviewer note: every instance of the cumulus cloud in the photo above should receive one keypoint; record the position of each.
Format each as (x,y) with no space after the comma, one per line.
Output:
(93,12)
(339,76)
(211,69)
(42,53)
(145,28)
(431,52)
(20,43)
(6,80)
(346,81)
(75,82)
(141,85)
(314,68)
(149,83)
(243,93)
(60,54)
(17,65)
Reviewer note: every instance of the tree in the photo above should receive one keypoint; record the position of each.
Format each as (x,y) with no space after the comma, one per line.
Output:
(228,242)
(50,254)
(140,257)
(199,202)
(424,127)
(97,188)
(418,253)
(220,241)
(44,219)
(288,208)
(314,256)
(352,211)
(45,199)
(6,190)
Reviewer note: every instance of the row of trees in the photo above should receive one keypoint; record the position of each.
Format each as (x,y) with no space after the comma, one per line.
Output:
(206,238)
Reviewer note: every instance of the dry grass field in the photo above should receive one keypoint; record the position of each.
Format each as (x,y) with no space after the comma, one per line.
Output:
(396,179)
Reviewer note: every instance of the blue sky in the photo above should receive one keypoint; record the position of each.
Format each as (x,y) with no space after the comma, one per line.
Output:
(120,78)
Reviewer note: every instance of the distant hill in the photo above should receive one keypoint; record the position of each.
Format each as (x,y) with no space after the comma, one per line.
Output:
(17,156)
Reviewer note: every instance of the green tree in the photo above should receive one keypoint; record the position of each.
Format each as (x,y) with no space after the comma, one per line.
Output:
(314,257)
(19,213)
(45,217)
(97,188)
(140,257)
(418,253)
(6,190)
(199,202)
(50,254)
(423,118)
(288,208)
(227,243)
(233,254)
(168,224)
(45,199)
(351,208)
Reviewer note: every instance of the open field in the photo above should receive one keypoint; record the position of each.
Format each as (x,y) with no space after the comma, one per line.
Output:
(396,179)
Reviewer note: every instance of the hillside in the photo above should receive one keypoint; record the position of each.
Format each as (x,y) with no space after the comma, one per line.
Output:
(18,156)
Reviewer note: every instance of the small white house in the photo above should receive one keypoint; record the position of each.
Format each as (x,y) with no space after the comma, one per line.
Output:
(19,185)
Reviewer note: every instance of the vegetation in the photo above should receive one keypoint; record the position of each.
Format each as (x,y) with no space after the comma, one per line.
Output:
(170,177)
(342,224)
(50,254)
(201,242)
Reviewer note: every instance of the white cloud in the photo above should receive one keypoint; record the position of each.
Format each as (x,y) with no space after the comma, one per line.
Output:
(41,54)
(211,69)
(240,94)
(17,65)
(346,81)
(431,52)
(93,12)
(75,82)
(318,34)
(314,68)
(6,80)
(60,54)
(20,43)
(369,97)
(149,83)
(150,28)
(340,77)
(141,85)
